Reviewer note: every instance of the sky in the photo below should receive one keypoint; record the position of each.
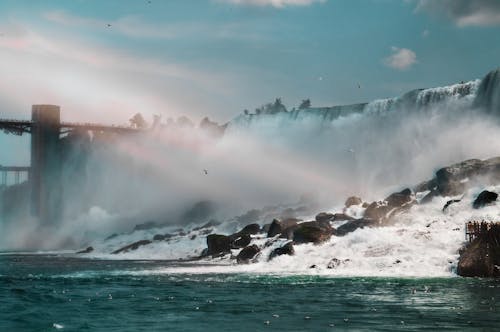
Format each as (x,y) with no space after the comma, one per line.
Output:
(103,61)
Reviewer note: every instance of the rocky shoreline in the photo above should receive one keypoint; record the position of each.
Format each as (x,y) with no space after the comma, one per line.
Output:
(479,258)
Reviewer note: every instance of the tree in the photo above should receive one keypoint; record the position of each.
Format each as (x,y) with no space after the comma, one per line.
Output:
(137,121)
(306,103)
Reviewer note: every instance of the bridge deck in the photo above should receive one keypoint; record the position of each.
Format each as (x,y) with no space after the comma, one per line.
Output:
(24,126)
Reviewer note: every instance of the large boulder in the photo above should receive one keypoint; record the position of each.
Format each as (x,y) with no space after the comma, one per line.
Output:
(353,225)
(382,211)
(247,253)
(353,200)
(324,216)
(218,244)
(341,217)
(241,242)
(287,249)
(284,227)
(452,180)
(251,229)
(312,231)
(484,198)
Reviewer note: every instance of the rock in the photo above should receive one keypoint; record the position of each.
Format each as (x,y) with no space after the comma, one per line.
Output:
(283,227)
(218,244)
(162,237)
(132,246)
(312,231)
(324,216)
(365,205)
(451,180)
(251,229)
(247,253)
(353,200)
(86,250)
(341,217)
(377,210)
(451,201)
(425,186)
(353,225)
(241,241)
(382,211)
(335,262)
(287,249)
(428,198)
(265,228)
(399,199)
(484,198)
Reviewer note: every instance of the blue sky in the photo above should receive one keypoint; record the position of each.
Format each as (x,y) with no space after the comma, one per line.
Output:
(105,60)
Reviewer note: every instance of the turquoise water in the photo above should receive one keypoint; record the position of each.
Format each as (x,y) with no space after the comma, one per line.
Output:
(49,293)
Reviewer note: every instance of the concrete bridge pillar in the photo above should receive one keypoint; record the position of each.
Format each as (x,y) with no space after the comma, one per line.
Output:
(45,172)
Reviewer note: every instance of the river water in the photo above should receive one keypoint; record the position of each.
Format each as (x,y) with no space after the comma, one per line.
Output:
(40,292)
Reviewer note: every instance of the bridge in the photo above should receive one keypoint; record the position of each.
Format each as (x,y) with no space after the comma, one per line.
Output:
(44,173)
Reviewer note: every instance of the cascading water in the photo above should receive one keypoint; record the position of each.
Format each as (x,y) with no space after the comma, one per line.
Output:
(366,149)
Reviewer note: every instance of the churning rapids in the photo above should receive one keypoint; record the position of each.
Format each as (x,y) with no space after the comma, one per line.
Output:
(269,158)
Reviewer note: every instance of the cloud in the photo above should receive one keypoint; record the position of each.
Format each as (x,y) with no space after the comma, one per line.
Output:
(273,3)
(464,12)
(401,58)
(98,83)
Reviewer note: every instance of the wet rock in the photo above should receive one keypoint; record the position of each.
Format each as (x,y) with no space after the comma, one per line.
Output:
(484,198)
(425,186)
(241,241)
(400,199)
(353,225)
(335,262)
(451,201)
(382,211)
(265,228)
(284,227)
(218,244)
(451,180)
(132,246)
(377,210)
(312,231)
(341,217)
(287,249)
(353,200)
(162,237)
(251,229)
(324,216)
(86,250)
(247,253)
(428,198)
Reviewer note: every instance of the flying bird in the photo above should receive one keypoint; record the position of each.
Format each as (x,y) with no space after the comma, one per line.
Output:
(359,86)
(108,25)
(205,171)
